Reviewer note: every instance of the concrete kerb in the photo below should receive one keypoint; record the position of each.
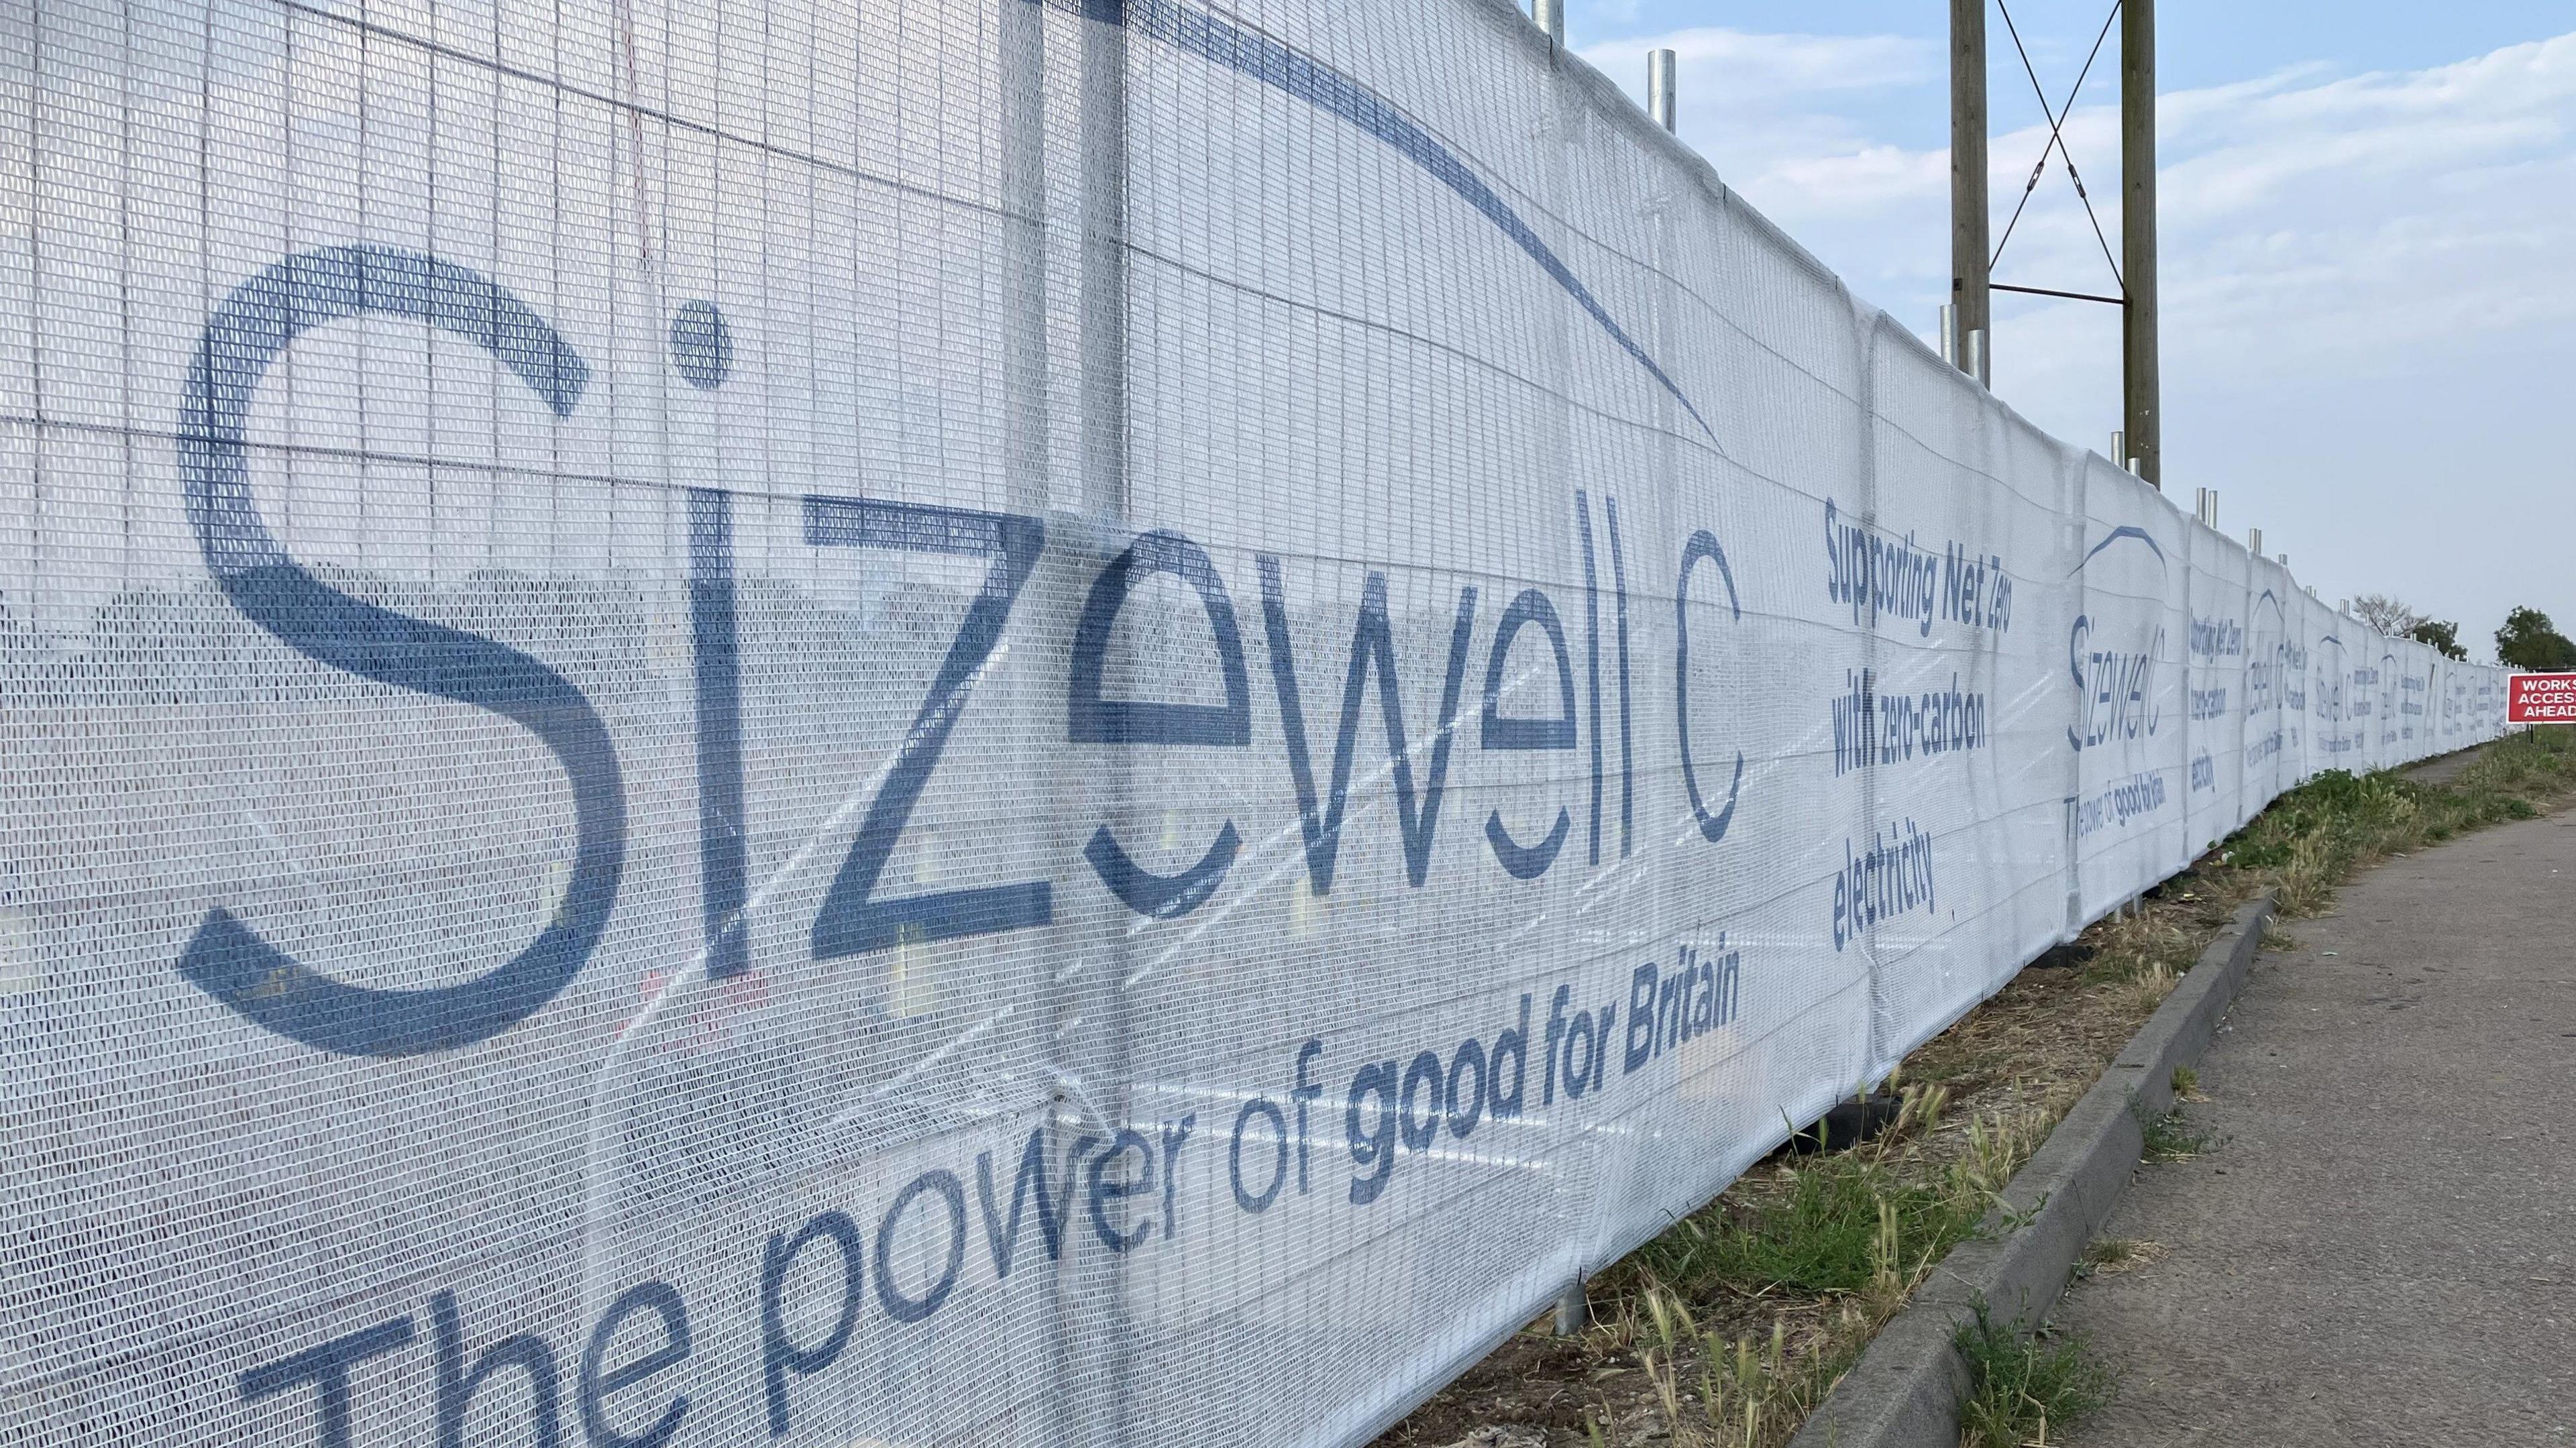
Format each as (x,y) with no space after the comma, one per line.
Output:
(1906,1389)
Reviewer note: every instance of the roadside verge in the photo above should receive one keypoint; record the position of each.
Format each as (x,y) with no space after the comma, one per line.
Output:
(1906,1390)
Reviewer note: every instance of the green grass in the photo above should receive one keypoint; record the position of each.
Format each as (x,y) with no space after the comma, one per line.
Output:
(1853,1234)
(1825,1234)
(2025,1388)
(2315,835)
(2169,1137)
(1851,1223)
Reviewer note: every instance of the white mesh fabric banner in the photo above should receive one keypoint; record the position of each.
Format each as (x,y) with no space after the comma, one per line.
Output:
(986,722)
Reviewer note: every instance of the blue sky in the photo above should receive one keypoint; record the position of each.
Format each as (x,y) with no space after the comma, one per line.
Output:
(2369,247)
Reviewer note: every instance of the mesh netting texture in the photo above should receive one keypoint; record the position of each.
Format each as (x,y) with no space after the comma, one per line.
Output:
(986,722)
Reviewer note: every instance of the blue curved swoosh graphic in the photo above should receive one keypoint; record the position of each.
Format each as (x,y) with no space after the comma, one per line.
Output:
(1293,72)
(2277,611)
(2125,530)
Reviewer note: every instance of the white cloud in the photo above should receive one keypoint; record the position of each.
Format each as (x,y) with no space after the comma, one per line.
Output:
(1858,183)
(2341,226)
(2365,281)
(1783,119)
(1735,67)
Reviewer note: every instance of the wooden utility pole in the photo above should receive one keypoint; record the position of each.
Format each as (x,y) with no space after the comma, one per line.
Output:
(2141,385)
(1968,244)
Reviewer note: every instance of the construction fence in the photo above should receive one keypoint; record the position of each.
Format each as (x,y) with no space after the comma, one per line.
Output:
(985,722)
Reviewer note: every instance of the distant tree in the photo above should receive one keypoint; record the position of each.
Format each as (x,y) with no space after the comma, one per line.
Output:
(2390,616)
(2441,636)
(2530,641)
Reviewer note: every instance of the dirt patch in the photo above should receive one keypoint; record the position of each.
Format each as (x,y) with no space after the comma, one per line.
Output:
(2444,769)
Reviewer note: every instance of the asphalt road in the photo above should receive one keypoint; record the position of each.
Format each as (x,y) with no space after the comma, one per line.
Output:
(2379,1246)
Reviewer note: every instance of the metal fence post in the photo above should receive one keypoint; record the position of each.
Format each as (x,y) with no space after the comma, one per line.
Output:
(1659,87)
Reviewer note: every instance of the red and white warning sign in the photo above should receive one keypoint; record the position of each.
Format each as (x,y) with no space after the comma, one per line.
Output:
(2540,699)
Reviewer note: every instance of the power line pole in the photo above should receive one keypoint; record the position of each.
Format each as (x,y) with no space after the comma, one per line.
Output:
(1968,245)
(2143,407)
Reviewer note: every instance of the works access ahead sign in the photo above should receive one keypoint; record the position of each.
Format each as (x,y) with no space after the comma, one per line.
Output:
(2540,699)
